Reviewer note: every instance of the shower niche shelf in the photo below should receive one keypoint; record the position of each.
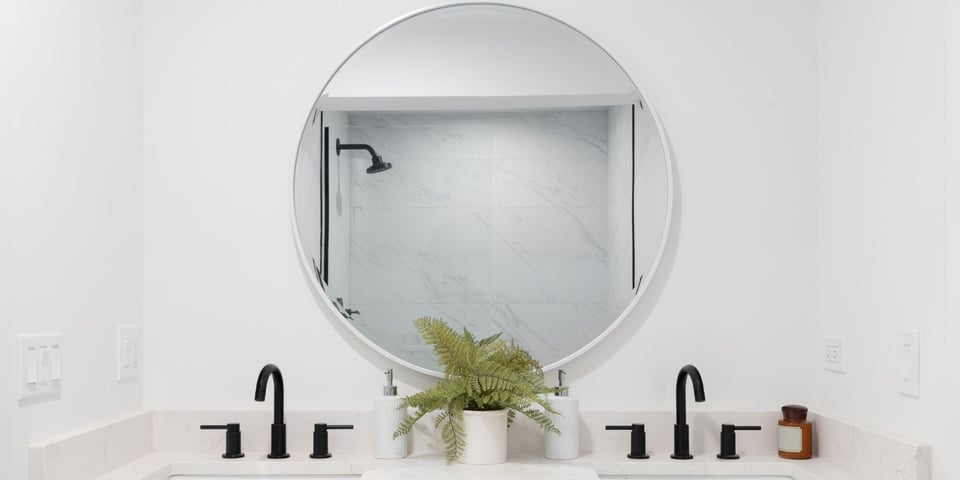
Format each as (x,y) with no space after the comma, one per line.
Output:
(475,103)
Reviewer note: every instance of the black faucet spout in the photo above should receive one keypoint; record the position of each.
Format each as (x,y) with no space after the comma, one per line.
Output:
(266,373)
(681,431)
(278,431)
(691,372)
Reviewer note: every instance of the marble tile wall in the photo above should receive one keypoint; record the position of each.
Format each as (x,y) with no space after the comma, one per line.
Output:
(308,191)
(619,204)
(493,221)
(309,197)
(652,193)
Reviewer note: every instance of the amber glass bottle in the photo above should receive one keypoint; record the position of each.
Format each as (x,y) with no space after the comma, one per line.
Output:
(795,433)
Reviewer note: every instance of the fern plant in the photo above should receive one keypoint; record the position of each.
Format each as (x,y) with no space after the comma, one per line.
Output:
(478,374)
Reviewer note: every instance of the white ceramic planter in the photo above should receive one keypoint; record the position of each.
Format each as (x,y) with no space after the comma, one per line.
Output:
(486,436)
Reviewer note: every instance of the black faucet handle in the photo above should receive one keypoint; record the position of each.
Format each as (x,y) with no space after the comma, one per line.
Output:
(233,438)
(728,440)
(321,441)
(638,440)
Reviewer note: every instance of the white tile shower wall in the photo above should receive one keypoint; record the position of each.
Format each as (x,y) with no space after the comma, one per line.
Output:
(338,196)
(651,193)
(618,202)
(309,197)
(496,217)
(308,192)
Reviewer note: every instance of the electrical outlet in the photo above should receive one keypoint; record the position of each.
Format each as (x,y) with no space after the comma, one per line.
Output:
(833,355)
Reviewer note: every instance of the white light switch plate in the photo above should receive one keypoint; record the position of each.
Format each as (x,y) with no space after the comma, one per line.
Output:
(909,372)
(128,352)
(40,365)
(833,355)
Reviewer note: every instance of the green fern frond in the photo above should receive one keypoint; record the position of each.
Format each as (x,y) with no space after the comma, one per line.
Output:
(541,419)
(485,374)
(440,418)
(489,340)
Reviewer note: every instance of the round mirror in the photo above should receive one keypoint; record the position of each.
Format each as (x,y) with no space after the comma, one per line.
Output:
(488,165)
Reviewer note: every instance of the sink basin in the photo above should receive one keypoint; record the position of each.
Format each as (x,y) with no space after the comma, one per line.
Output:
(264,477)
(355,477)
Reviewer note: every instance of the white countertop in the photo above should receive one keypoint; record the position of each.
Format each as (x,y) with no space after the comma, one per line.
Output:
(160,466)
(145,445)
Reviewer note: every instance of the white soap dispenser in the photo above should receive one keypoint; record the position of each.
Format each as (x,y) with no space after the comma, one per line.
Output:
(566,445)
(387,416)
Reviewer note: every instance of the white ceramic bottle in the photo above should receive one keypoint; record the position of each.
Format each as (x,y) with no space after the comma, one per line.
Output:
(387,416)
(566,445)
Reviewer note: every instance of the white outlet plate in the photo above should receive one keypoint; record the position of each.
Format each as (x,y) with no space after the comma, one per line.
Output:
(128,352)
(40,365)
(833,355)
(909,372)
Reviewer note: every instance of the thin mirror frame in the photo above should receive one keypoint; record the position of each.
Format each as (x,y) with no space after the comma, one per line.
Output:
(667,157)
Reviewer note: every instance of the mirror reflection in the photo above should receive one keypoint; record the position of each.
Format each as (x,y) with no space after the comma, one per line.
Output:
(496,209)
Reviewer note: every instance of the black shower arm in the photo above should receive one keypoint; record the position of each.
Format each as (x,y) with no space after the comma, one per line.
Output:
(355,146)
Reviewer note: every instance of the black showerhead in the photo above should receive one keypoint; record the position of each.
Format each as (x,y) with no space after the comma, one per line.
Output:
(378,164)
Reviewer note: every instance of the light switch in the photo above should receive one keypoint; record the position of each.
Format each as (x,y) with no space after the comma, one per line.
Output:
(128,352)
(56,363)
(905,352)
(45,361)
(33,365)
(135,353)
(125,352)
(909,349)
(40,365)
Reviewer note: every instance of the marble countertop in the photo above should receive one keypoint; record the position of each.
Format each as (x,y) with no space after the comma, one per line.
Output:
(160,466)
(150,445)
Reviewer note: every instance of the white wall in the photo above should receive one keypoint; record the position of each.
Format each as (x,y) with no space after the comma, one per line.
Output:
(946,442)
(884,201)
(229,84)
(71,258)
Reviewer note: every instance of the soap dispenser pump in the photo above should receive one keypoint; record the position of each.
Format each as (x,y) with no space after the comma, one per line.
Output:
(387,417)
(566,444)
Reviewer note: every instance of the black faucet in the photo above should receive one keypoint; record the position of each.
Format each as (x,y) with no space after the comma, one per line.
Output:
(278,431)
(681,431)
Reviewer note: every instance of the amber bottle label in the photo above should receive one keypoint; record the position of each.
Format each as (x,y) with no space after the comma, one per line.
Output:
(790,439)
